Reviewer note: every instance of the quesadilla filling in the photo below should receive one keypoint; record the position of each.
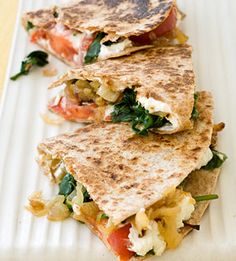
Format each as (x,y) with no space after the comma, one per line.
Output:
(80,48)
(149,232)
(84,100)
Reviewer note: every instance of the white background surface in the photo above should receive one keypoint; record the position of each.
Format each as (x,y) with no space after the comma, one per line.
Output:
(211,25)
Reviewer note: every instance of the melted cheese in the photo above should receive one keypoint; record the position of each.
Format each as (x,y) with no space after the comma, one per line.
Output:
(207,156)
(150,240)
(168,215)
(108,111)
(154,106)
(162,109)
(186,209)
(115,48)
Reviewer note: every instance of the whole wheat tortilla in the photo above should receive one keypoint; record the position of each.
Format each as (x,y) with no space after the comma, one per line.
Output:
(165,74)
(116,18)
(124,172)
(199,182)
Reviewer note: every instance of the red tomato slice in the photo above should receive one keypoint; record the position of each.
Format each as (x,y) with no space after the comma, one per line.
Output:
(168,25)
(62,46)
(58,43)
(119,242)
(72,111)
(37,35)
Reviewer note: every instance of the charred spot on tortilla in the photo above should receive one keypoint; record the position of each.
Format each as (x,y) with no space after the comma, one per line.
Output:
(120,153)
(136,24)
(93,92)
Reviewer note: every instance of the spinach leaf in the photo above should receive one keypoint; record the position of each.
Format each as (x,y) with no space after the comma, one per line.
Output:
(205,197)
(102,216)
(94,49)
(67,185)
(36,58)
(217,160)
(129,110)
(29,26)
(55,14)
(86,195)
(195,112)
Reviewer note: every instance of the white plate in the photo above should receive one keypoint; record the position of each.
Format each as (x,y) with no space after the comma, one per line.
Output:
(211,27)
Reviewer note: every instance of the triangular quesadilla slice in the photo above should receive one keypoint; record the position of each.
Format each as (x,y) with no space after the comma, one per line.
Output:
(131,190)
(85,31)
(152,89)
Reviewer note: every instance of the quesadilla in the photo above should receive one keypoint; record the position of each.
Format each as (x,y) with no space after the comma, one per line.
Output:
(153,88)
(86,31)
(130,189)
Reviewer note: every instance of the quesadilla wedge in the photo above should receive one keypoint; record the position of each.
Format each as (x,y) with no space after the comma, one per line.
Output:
(130,189)
(85,31)
(153,88)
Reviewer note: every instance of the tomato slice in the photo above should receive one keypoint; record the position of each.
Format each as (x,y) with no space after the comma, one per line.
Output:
(37,35)
(119,242)
(58,43)
(62,46)
(72,111)
(168,25)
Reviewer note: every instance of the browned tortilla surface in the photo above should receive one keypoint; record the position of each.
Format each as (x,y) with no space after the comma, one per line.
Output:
(164,74)
(124,172)
(116,18)
(199,182)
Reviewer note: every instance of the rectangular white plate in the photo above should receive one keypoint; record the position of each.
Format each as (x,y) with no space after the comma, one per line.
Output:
(211,27)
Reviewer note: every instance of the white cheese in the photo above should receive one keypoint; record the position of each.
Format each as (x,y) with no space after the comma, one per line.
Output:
(160,108)
(207,156)
(154,106)
(59,29)
(116,48)
(151,240)
(76,40)
(108,111)
(186,209)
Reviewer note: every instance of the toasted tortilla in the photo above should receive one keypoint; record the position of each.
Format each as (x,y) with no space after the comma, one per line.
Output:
(116,18)
(164,74)
(120,169)
(199,182)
